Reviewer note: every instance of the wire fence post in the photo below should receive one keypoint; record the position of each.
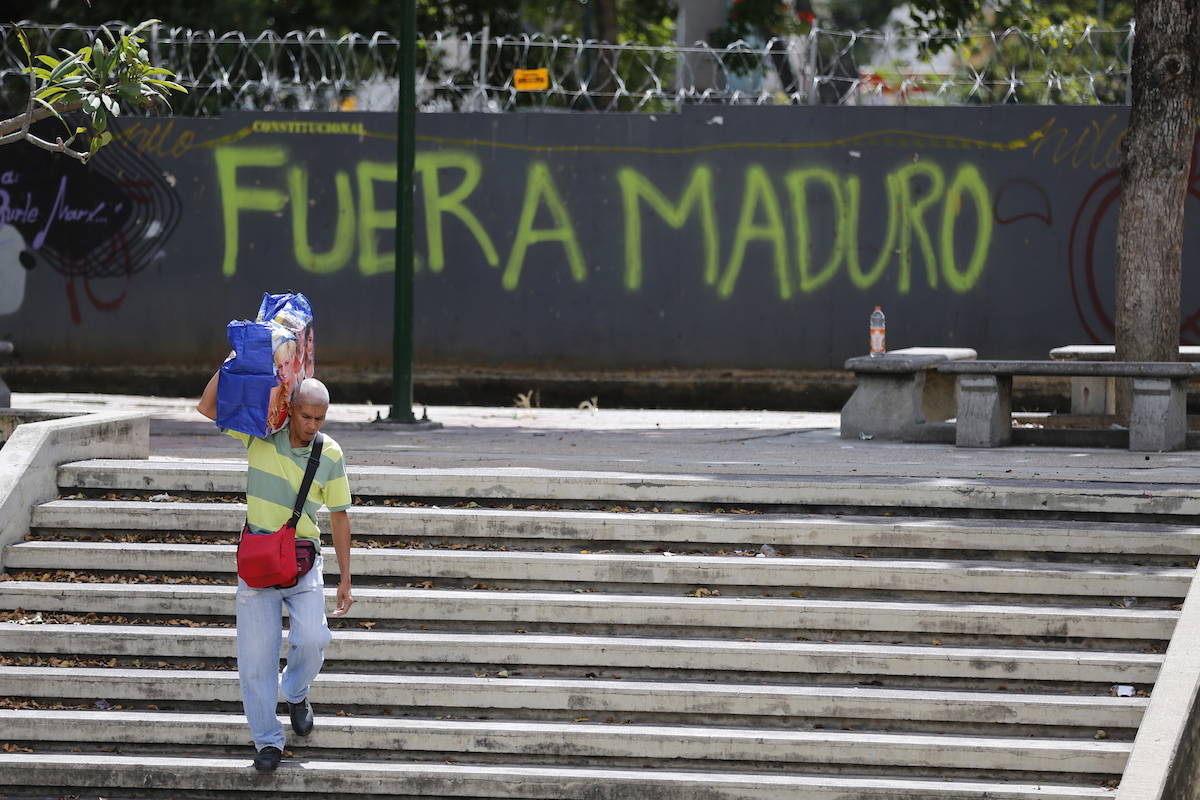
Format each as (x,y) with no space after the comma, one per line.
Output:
(813,84)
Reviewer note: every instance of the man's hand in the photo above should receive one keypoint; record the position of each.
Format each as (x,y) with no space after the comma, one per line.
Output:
(341,545)
(344,598)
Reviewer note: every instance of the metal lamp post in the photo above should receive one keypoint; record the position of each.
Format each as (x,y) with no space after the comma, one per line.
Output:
(402,342)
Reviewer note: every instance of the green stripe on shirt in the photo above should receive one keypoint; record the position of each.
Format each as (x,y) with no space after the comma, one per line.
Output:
(273,479)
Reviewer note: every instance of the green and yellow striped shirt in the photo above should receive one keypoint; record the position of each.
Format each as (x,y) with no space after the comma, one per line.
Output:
(273,480)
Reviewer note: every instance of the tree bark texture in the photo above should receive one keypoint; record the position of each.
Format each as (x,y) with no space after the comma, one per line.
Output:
(1156,165)
(607,27)
(608,30)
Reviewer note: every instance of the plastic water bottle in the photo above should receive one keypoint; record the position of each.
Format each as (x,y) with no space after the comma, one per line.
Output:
(878,336)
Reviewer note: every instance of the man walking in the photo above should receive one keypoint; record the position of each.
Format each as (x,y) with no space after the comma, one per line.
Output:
(276,469)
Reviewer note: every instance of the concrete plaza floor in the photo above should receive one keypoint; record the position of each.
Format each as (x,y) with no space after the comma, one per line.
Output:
(655,441)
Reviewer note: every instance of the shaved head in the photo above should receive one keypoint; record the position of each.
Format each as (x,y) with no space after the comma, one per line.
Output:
(311,392)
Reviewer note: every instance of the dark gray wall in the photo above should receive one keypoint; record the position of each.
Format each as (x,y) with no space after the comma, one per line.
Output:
(989,228)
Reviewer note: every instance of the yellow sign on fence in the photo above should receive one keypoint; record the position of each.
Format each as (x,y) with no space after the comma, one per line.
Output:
(531,80)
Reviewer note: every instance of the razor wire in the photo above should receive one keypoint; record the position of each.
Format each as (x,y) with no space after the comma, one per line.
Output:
(311,71)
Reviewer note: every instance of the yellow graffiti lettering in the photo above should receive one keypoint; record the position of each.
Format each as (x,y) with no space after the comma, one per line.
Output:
(758,192)
(342,248)
(539,190)
(698,194)
(797,182)
(860,279)
(371,261)
(1074,145)
(966,181)
(236,198)
(430,165)
(912,212)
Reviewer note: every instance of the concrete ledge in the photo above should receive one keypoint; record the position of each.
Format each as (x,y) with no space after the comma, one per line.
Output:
(684,700)
(596,569)
(687,613)
(593,742)
(30,460)
(1117,369)
(791,530)
(1177,498)
(11,418)
(476,781)
(1165,763)
(613,652)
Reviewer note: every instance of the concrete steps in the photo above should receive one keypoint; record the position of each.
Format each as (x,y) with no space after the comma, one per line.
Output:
(401,779)
(972,649)
(563,570)
(1089,497)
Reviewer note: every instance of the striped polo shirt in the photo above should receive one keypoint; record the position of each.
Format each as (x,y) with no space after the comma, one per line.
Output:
(273,479)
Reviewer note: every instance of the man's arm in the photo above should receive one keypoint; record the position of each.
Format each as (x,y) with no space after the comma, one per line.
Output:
(208,400)
(341,546)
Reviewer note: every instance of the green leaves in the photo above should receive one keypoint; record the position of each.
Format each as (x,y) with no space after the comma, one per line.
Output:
(96,80)
(24,40)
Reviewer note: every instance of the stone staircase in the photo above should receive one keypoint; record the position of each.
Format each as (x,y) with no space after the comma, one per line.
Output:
(529,634)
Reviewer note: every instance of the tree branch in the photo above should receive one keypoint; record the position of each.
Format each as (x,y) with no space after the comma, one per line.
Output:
(17,128)
(35,115)
(58,146)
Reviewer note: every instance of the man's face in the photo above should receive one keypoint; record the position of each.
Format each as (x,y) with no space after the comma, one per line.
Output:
(306,421)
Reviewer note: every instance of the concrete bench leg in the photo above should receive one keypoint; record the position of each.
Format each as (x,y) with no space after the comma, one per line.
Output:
(1094,397)
(5,395)
(885,406)
(1158,419)
(984,411)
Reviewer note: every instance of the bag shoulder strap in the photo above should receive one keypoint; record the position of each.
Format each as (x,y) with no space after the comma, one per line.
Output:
(310,471)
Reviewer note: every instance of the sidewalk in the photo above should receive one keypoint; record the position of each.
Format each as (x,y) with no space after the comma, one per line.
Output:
(668,441)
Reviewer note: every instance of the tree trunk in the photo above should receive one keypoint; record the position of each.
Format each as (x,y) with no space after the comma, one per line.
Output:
(1157,153)
(608,31)
(607,28)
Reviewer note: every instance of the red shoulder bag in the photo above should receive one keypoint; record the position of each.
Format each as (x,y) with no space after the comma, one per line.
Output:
(266,560)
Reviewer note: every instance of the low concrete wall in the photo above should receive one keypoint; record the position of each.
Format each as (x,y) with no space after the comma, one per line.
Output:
(11,419)
(1165,762)
(30,459)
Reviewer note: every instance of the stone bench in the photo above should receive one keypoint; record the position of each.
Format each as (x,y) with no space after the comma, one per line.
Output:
(1097,396)
(1158,418)
(6,352)
(897,395)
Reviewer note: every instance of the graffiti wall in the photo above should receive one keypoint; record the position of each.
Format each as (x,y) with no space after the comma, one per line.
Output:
(719,237)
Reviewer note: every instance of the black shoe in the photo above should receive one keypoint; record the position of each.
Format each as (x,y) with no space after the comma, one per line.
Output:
(302,717)
(267,759)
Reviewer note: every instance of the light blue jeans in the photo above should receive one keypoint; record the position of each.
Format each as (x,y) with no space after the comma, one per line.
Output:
(259,638)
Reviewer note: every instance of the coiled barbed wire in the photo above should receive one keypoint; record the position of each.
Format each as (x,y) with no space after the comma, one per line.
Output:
(311,71)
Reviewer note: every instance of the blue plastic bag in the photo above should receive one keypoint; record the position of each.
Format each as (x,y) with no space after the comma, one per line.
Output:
(290,309)
(247,378)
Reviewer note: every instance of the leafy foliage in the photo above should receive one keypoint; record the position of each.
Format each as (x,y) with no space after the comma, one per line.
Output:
(943,15)
(1063,38)
(94,80)
(649,21)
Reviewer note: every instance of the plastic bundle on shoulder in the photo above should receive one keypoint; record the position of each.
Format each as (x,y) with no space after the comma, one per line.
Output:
(270,357)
